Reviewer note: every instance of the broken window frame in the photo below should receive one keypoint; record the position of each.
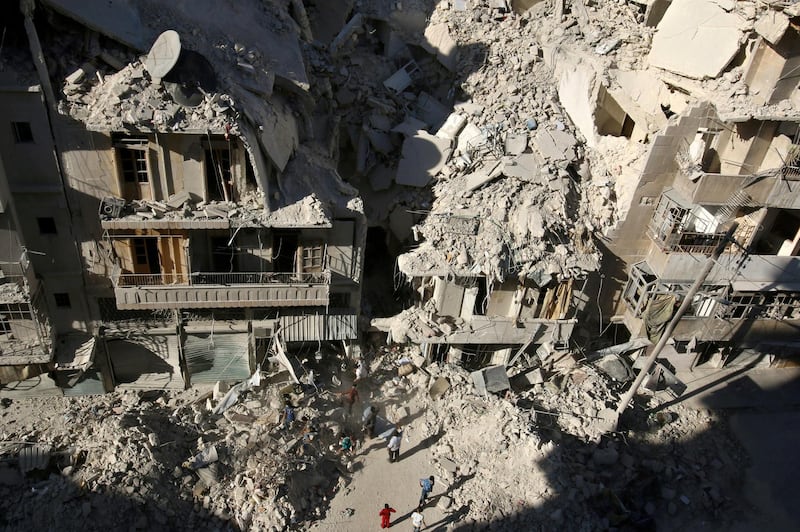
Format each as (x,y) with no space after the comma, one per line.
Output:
(312,256)
(667,228)
(134,173)
(637,288)
(133,164)
(764,305)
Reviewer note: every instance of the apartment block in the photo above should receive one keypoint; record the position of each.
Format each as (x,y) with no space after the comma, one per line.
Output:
(704,174)
(166,220)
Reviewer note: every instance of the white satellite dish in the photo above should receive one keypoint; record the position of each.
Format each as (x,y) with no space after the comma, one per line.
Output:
(163,55)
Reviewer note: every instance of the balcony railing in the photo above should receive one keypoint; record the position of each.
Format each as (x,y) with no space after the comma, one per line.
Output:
(220,279)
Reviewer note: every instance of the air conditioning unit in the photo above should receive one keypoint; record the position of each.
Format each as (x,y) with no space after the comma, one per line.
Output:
(111,207)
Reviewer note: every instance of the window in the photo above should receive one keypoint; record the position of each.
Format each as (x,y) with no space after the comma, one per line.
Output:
(312,257)
(47,226)
(62,299)
(22,132)
(139,251)
(134,165)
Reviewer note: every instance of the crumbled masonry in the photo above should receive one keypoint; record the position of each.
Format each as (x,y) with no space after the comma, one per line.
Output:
(442,193)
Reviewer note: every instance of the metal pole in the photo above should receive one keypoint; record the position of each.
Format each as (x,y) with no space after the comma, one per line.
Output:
(687,300)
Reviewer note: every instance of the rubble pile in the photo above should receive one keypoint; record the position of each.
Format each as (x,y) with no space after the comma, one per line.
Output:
(153,460)
(538,460)
(128,97)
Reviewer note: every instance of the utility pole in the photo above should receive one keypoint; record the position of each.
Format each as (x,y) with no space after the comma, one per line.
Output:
(665,336)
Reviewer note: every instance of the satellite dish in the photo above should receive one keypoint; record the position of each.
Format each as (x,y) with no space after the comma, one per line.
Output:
(163,55)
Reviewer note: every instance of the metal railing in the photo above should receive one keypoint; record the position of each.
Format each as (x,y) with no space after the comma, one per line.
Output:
(220,278)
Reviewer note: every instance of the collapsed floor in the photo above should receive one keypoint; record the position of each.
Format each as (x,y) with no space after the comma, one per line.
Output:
(534,458)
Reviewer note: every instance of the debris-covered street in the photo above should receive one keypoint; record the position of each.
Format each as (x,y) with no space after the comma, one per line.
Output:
(532,460)
(445,265)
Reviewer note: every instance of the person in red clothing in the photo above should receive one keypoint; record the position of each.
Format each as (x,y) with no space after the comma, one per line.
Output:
(385,515)
(349,398)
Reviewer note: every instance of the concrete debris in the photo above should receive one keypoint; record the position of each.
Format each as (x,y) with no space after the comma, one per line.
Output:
(422,158)
(772,25)
(692,25)
(347,33)
(490,379)
(555,145)
(439,42)
(452,126)
(403,78)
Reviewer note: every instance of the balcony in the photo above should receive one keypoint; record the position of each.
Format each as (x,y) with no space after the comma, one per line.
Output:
(678,226)
(218,289)
(776,187)
(25,333)
(716,189)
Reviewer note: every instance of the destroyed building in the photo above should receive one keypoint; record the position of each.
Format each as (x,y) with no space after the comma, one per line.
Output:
(727,154)
(171,199)
(190,187)
(203,192)
(501,264)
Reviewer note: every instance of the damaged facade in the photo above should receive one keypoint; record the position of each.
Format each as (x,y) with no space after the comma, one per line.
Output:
(175,171)
(726,154)
(192,185)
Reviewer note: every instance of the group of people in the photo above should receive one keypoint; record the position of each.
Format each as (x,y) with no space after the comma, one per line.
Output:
(417,519)
(369,420)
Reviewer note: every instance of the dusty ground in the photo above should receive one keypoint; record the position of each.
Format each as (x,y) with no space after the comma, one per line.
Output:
(527,461)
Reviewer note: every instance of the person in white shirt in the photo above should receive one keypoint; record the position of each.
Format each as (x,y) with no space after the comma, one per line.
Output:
(394,446)
(418,521)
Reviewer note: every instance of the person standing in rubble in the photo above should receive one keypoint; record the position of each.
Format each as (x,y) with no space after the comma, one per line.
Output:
(349,398)
(288,416)
(386,515)
(346,444)
(394,446)
(368,420)
(361,371)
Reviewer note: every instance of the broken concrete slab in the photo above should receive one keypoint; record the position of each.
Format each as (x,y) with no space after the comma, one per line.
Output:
(555,145)
(452,126)
(422,158)
(483,175)
(516,143)
(430,110)
(448,465)
(696,38)
(409,126)
(438,41)
(531,220)
(117,19)
(177,200)
(615,367)
(439,387)
(490,379)
(401,80)
(469,138)
(772,25)
(353,26)
(444,502)
(380,121)
(525,166)
(380,141)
